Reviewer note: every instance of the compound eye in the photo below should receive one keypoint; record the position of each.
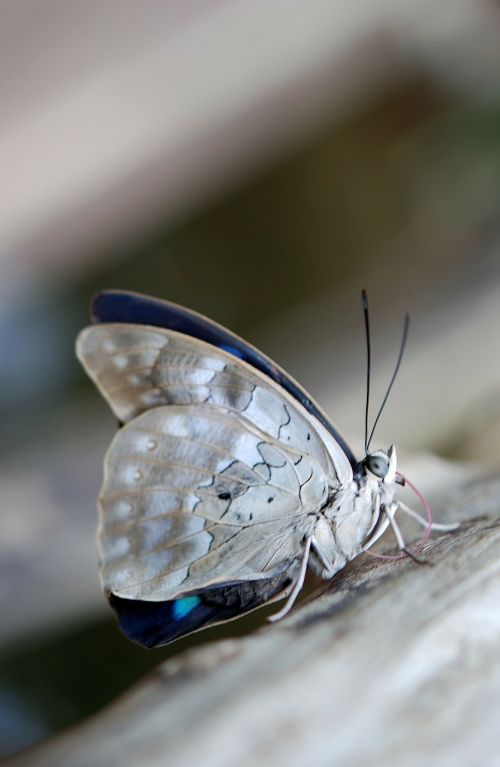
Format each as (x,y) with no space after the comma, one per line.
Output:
(377,463)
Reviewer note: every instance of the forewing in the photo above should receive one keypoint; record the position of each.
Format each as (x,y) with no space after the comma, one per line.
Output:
(140,367)
(134,308)
(195,496)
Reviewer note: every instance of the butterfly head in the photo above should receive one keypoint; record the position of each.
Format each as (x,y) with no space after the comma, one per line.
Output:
(382,464)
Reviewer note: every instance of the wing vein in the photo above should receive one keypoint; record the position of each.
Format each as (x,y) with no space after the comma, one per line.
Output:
(200,469)
(181,567)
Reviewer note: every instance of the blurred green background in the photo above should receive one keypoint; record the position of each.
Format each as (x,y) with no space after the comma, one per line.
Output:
(390,183)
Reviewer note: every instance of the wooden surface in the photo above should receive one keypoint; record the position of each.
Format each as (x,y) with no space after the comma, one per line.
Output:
(396,664)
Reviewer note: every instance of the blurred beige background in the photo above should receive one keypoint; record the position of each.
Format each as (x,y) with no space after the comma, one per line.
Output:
(259,162)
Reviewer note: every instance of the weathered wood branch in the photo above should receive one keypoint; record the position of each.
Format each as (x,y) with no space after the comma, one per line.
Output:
(394,664)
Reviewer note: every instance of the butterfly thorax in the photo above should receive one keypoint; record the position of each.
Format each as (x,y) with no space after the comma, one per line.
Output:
(353,512)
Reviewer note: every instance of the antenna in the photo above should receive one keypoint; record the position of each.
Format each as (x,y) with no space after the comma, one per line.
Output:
(364,304)
(406,327)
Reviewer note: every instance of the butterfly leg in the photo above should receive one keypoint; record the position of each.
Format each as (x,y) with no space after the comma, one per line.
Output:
(421,521)
(329,567)
(399,537)
(297,587)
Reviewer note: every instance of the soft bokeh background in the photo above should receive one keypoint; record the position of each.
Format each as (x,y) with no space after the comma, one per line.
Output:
(259,162)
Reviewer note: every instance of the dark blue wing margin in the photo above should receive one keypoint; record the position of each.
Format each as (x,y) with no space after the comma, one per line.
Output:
(152,624)
(124,306)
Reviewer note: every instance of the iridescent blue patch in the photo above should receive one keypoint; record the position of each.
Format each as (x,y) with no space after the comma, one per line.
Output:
(183,607)
(232,350)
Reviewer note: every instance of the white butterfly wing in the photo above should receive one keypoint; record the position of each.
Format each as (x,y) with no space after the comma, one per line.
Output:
(193,496)
(214,481)
(138,367)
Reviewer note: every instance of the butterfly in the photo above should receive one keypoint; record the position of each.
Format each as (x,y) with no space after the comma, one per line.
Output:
(225,480)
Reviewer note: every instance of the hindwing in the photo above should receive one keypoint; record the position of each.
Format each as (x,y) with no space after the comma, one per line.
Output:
(193,496)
